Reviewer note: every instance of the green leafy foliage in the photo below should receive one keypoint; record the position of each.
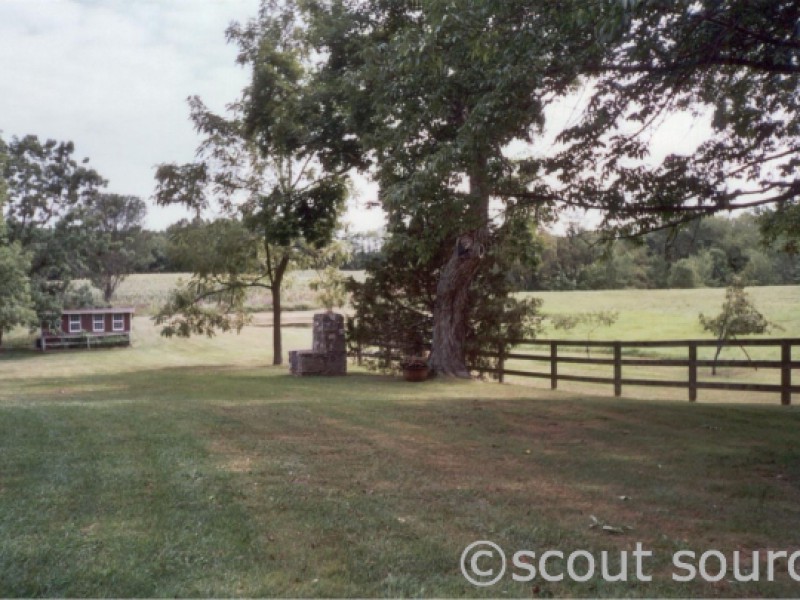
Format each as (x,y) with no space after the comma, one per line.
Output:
(48,190)
(589,322)
(15,295)
(394,306)
(226,260)
(706,253)
(259,166)
(432,92)
(734,61)
(739,316)
(331,283)
(331,288)
(116,247)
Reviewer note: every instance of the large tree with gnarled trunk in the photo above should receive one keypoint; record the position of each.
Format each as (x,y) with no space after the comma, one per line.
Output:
(434,92)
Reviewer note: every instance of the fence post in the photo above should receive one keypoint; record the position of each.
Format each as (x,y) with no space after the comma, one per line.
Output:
(553,365)
(501,362)
(617,369)
(786,373)
(692,371)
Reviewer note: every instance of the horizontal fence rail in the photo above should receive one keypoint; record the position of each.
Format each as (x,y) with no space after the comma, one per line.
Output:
(691,363)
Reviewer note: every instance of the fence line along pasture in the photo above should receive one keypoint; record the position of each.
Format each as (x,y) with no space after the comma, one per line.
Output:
(691,363)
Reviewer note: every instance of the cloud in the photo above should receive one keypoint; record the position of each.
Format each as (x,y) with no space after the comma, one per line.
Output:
(113,77)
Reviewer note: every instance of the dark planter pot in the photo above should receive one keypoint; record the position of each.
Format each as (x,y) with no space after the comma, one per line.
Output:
(416,373)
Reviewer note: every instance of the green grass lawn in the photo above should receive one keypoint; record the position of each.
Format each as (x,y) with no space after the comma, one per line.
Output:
(191,468)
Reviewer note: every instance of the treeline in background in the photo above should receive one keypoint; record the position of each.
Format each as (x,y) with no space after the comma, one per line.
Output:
(708,253)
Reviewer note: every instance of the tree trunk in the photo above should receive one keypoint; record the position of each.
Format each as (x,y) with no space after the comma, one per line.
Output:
(716,356)
(108,292)
(1,337)
(277,344)
(720,343)
(277,340)
(451,310)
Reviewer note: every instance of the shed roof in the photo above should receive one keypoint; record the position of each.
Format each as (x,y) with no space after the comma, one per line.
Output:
(99,311)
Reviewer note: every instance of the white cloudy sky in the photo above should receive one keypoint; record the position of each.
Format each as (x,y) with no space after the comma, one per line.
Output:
(113,76)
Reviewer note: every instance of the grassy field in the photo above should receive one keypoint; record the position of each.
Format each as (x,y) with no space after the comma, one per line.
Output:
(644,314)
(148,292)
(190,468)
(668,314)
(665,315)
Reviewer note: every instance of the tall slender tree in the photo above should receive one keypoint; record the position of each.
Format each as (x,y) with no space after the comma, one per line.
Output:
(258,165)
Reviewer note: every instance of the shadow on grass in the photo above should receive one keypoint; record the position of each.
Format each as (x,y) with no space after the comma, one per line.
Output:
(17,354)
(367,485)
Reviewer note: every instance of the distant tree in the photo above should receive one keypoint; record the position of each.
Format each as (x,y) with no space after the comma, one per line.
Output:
(115,248)
(760,269)
(155,252)
(708,252)
(16,304)
(739,316)
(364,245)
(47,191)
(589,322)
(684,275)
(782,227)
(720,267)
(330,284)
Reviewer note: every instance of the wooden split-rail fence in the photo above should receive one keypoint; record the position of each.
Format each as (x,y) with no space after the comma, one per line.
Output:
(553,356)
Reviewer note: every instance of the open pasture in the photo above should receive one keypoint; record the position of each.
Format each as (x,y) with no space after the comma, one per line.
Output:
(190,468)
(643,314)
(646,315)
(148,291)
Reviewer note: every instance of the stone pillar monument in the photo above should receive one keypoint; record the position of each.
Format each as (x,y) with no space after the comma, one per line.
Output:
(328,355)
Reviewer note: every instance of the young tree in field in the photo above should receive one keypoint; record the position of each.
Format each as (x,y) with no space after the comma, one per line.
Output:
(739,316)
(115,247)
(259,166)
(588,321)
(330,284)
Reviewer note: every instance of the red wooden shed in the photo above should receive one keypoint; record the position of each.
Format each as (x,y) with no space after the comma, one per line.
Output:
(88,328)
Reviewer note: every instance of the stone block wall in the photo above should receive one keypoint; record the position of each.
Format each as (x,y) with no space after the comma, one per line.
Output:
(328,355)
